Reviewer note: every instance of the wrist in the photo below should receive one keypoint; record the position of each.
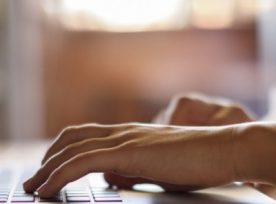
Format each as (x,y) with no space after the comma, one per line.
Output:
(254,150)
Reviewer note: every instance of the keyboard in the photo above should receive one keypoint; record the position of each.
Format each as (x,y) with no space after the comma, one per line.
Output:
(81,191)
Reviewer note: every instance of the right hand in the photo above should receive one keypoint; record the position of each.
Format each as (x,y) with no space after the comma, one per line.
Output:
(201,110)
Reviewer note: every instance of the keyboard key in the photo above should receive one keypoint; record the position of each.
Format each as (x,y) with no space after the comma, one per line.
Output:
(101,190)
(77,192)
(19,192)
(5,189)
(23,199)
(109,202)
(54,199)
(22,195)
(107,199)
(106,196)
(77,195)
(78,199)
(3,200)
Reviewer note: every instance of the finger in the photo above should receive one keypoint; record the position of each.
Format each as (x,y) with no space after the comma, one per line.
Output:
(192,111)
(122,181)
(69,152)
(75,134)
(230,115)
(128,183)
(95,161)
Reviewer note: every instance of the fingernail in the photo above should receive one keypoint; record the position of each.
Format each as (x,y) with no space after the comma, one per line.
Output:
(43,161)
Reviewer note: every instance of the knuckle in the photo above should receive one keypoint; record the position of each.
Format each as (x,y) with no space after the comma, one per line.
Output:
(79,158)
(135,133)
(72,133)
(236,109)
(104,130)
(68,131)
(177,106)
(129,145)
(96,126)
(131,125)
(69,149)
(75,148)
(129,130)
(182,100)
(217,106)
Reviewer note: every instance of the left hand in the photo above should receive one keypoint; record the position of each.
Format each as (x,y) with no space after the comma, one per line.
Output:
(183,158)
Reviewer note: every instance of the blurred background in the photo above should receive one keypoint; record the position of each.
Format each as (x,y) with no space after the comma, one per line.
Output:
(65,62)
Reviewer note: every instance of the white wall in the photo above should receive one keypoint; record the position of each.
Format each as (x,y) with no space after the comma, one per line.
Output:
(267,50)
(25,100)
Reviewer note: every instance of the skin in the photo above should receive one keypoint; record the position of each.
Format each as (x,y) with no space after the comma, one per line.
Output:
(190,110)
(210,151)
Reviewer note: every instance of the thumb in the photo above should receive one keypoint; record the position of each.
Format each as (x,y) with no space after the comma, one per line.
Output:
(122,181)
(128,182)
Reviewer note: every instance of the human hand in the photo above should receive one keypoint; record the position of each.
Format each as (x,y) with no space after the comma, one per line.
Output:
(190,110)
(185,157)
(201,110)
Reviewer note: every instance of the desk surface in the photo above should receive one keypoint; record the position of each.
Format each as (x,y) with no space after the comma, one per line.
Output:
(31,154)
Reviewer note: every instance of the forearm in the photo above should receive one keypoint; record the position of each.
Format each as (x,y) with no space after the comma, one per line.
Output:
(243,152)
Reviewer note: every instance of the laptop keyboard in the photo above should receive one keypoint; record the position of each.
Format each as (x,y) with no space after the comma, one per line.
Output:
(11,191)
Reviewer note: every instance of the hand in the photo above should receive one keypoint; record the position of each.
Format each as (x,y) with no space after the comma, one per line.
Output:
(187,157)
(190,110)
(201,110)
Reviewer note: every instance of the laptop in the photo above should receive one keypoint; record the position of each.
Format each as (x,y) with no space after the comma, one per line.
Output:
(14,169)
